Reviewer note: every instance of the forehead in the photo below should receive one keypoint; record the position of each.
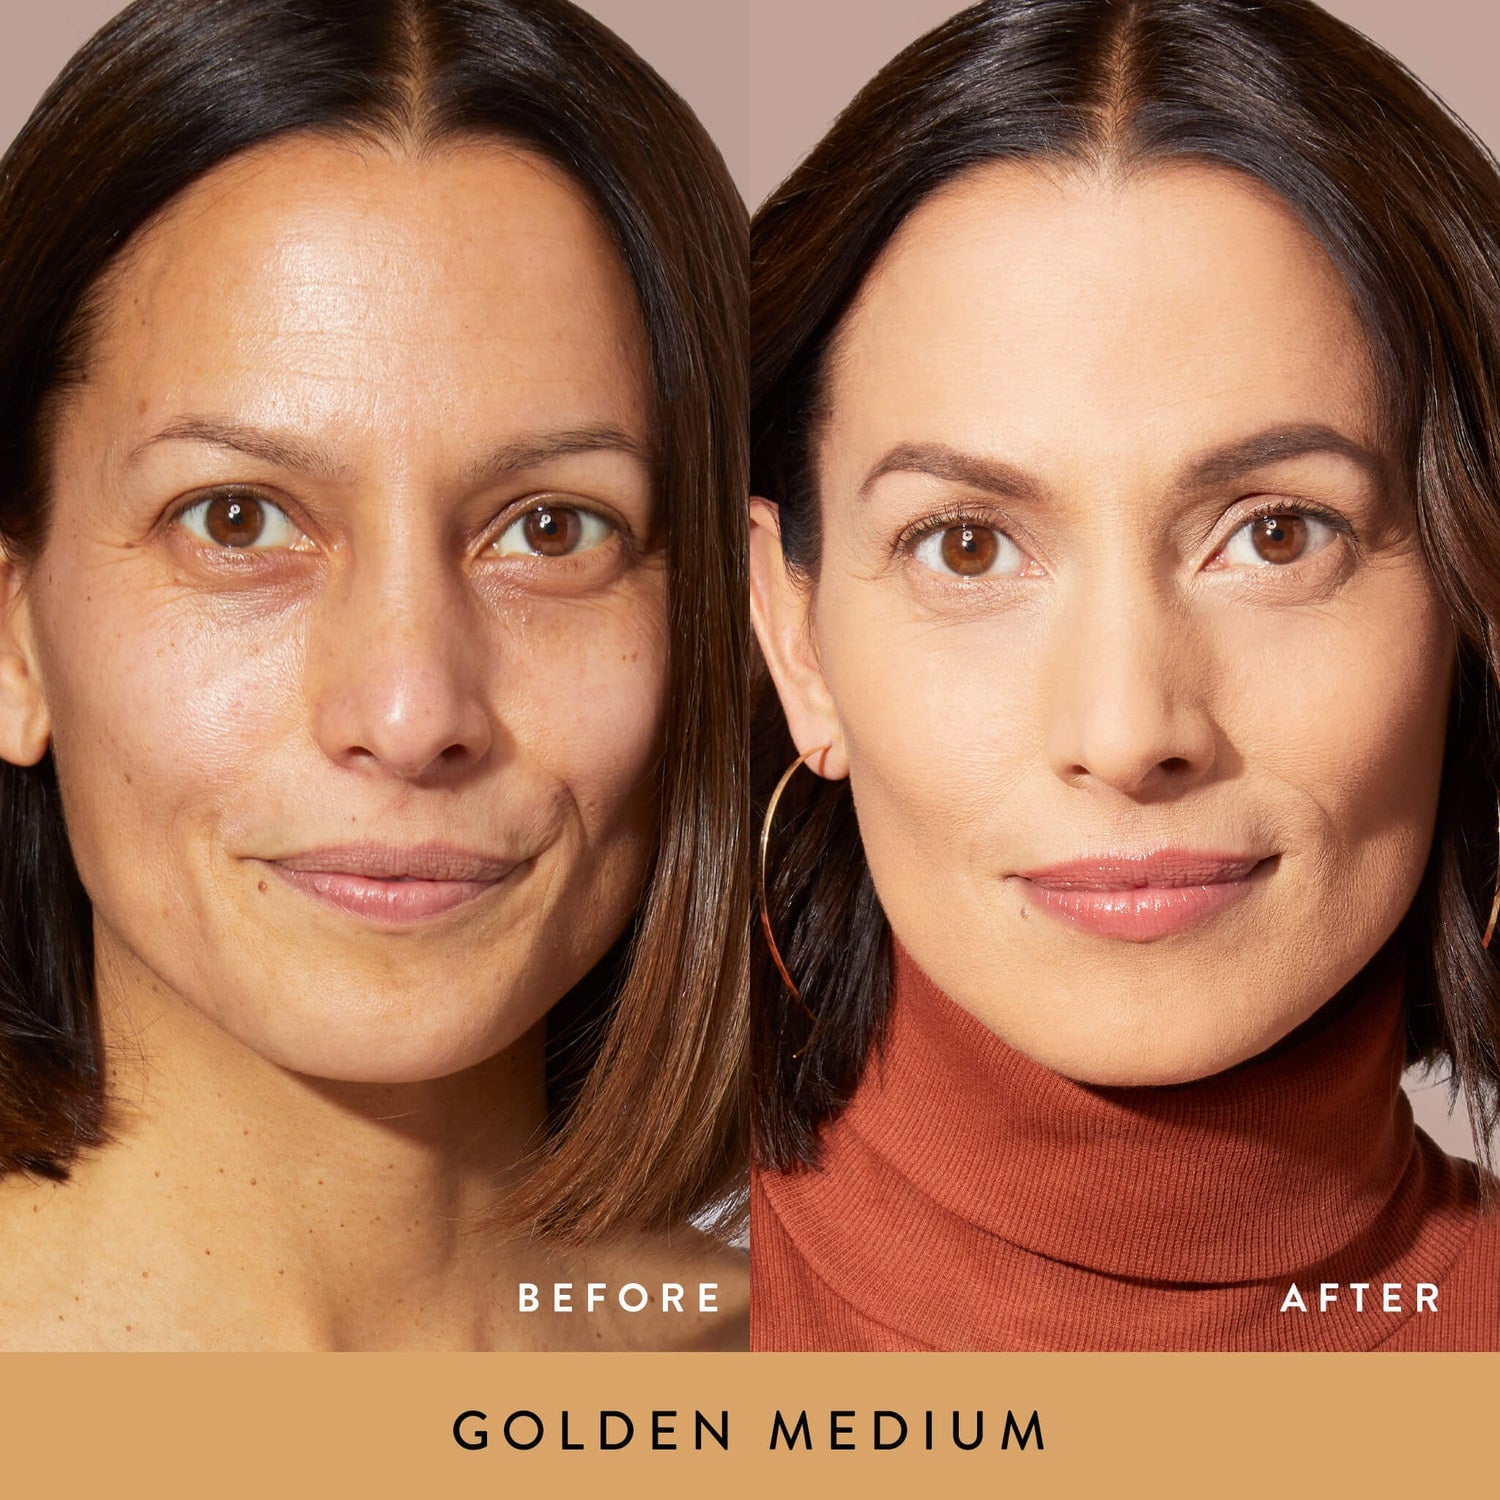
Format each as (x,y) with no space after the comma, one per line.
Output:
(353,281)
(1044,311)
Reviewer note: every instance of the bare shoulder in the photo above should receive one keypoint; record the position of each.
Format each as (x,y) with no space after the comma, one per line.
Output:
(44,1304)
(75,1271)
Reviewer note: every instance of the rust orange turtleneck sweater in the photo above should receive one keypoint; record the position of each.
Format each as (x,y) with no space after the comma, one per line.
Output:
(969,1198)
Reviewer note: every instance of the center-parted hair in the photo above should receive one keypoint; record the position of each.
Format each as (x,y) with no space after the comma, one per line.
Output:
(1404,201)
(646,1057)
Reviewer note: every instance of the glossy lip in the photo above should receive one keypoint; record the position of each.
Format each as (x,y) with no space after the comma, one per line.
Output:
(1138,897)
(393,885)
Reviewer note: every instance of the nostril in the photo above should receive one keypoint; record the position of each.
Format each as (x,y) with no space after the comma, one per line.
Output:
(411,762)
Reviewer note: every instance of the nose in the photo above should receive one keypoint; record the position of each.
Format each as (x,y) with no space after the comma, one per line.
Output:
(395,681)
(1130,688)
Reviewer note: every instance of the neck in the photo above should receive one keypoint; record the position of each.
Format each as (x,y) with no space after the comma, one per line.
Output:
(329,1214)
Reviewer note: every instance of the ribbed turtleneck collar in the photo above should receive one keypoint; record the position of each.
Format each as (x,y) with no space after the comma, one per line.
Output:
(1272,1165)
(970,1198)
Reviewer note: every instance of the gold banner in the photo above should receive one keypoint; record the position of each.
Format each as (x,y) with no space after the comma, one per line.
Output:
(711,1425)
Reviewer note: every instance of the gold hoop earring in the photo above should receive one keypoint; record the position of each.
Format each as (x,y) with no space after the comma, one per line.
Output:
(765,841)
(1489,931)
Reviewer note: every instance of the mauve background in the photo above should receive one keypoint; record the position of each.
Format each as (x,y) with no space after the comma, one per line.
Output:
(767,77)
(698,46)
(809,57)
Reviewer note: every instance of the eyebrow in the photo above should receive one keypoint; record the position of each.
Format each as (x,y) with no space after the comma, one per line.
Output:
(279,449)
(1219,466)
(1276,444)
(991,475)
(285,451)
(543,448)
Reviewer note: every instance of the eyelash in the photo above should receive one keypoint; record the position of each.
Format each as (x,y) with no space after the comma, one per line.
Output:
(1330,519)
(202,500)
(944,521)
(615,529)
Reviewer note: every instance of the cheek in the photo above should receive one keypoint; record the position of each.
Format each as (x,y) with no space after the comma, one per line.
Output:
(1347,711)
(585,698)
(163,712)
(937,727)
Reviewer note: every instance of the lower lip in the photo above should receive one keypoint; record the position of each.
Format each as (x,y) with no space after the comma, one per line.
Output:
(394,903)
(1140,913)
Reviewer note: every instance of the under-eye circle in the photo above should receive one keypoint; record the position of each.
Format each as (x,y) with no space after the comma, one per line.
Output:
(240,521)
(553,531)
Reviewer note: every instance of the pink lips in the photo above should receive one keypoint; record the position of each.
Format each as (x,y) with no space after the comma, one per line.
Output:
(393,885)
(1139,897)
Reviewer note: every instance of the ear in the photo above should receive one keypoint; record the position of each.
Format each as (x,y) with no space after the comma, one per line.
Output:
(24,724)
(781,609)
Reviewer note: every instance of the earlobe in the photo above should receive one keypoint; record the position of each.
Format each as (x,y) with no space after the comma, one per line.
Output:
(780,605)
(24,724)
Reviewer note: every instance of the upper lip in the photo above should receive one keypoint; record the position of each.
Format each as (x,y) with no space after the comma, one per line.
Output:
(1131,870)
(373,861)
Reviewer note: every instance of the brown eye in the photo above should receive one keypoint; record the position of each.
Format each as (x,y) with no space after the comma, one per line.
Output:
(241,522)
(1278,539)
(554,531)
(964,549)
(970,550)
(235,520)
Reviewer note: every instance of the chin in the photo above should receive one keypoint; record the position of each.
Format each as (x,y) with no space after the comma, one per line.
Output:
(1146,1048)
(1143,1072)
(421,1042)
(385,1067)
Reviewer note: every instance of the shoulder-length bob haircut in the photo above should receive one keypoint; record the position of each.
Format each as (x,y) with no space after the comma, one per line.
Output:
(645,1058)
(1406,203)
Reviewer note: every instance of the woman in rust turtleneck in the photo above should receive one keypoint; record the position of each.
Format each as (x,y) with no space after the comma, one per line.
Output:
(1125,571)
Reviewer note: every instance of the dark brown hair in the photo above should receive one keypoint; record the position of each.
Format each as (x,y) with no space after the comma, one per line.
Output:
(1407,205)
(645,1057)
